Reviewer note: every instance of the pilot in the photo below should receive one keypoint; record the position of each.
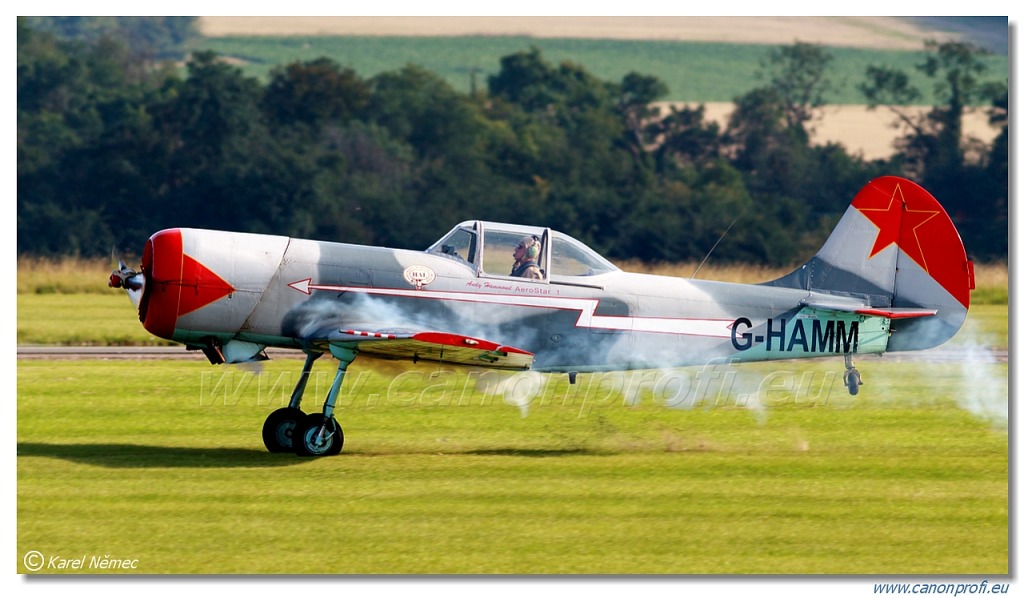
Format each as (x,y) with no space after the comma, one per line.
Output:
(526,254)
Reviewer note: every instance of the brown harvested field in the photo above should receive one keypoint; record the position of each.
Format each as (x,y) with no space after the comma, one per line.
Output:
(859,129)
(867,32)
(855,127)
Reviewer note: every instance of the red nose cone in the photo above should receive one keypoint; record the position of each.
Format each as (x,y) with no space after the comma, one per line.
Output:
(178,283)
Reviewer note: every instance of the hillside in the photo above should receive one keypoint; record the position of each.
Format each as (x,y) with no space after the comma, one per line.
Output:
(857,128)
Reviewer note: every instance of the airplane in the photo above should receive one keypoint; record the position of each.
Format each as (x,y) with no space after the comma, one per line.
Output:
(892,276)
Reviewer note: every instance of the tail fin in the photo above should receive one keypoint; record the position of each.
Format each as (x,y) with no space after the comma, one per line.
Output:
(895,247)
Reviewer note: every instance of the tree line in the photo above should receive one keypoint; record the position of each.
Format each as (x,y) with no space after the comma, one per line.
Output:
(114,145)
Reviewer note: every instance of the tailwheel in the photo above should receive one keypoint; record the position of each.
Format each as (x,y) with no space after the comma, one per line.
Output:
(317,436)
(279,429)
(851,377)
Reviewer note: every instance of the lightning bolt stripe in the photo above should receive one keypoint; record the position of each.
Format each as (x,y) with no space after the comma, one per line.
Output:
(716,328)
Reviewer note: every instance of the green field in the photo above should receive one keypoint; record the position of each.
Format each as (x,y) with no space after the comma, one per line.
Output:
(162,462)
(693,71)
(760,468)
(770,468)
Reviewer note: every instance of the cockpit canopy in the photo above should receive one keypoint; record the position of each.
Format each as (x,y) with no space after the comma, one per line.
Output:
(487,247)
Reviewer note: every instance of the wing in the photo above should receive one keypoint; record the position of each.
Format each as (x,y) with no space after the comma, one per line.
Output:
(416,345)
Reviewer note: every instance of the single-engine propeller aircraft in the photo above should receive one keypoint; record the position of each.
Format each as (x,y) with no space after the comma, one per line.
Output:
(893,276)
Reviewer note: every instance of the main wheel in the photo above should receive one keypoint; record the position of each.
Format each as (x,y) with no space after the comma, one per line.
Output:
(316,436)
(279,428)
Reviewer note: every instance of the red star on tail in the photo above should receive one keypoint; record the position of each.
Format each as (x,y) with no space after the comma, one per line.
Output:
(897,223)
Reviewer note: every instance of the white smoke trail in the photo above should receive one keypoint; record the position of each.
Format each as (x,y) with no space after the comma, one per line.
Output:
(984,390)
(718,383)
(521,389)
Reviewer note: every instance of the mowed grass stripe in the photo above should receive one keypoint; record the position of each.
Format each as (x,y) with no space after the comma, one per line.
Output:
(143,460)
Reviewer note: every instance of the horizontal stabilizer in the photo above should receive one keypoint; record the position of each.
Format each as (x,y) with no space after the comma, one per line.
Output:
(897,313)
(893,313)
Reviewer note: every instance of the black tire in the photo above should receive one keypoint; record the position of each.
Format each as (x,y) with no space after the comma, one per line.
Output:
(306,432)
(279,428)
(853,382)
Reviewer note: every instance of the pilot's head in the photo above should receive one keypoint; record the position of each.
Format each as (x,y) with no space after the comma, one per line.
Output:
(527,249)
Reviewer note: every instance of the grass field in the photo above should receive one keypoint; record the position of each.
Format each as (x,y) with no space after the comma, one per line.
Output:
(762,468)
(162,462)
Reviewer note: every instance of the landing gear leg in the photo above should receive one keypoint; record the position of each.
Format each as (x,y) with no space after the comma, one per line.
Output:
(319,434)
(851,378)
(279,427)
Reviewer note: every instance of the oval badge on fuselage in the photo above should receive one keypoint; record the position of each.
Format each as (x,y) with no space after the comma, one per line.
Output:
(419,276)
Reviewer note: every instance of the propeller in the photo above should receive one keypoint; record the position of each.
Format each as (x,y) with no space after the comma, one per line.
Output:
(123,277)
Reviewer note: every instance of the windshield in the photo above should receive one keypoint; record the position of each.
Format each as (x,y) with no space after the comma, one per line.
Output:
(460,245)
(569,257)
